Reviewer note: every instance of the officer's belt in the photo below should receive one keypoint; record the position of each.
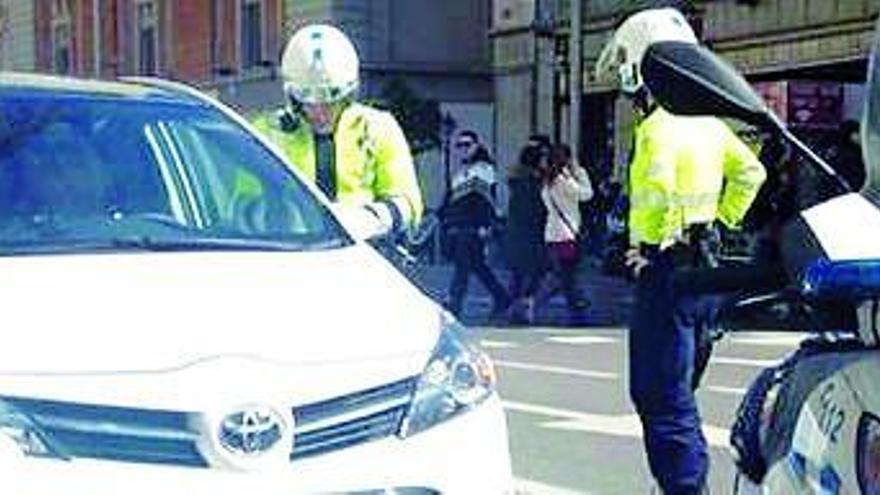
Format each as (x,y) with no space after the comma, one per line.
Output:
(688,251)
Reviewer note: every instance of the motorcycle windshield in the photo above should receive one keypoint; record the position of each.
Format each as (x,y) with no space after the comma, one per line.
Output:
(871,123)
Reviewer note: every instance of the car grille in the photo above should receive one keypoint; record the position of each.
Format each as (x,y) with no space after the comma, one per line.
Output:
(115,433)
(169,437)
(350,420)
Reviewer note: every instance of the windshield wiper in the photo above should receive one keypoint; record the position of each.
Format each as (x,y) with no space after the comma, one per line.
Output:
(149,243)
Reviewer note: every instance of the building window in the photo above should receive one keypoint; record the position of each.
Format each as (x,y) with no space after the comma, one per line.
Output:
(61,38)
(147,42)
(252,33)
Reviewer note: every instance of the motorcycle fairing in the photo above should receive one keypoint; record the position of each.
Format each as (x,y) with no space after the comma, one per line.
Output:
(816,362)
(847,227)
(844,228)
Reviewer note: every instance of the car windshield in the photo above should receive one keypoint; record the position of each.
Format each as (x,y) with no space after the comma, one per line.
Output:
(84,173)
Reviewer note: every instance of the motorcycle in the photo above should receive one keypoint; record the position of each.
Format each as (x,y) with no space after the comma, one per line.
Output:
(812,423)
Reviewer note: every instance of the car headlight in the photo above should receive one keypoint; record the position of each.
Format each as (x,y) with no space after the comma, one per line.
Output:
(458,377)
(25,433)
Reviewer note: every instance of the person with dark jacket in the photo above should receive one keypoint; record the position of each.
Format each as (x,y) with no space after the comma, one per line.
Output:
(468,215)
(524,240)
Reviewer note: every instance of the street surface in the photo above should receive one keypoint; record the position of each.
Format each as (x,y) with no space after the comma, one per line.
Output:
(564,387)
(572,428)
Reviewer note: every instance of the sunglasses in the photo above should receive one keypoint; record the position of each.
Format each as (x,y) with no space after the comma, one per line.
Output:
(464,144)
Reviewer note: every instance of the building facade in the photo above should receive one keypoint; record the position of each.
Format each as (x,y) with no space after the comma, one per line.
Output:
(216,44)
(808,57)
(440,50)
(17,42)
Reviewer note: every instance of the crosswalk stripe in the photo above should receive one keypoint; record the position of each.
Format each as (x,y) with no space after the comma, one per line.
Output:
(725,390)
(735,361)
(603,331)
(531,487)
(784,342)
(624,425)
(498,344)
(600,375)
(770,339)
(581,339)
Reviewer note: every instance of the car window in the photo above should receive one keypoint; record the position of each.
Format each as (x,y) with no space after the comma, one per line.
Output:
(232,186)
(76,168)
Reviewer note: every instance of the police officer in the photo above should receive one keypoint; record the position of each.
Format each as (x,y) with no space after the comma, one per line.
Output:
(358,156)
(686,174)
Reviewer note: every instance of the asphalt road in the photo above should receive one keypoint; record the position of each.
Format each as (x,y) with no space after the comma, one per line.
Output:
(572,428)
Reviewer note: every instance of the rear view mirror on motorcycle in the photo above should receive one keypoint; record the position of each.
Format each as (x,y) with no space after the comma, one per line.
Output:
(689,79)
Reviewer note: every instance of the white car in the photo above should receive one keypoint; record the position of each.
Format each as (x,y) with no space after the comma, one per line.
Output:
(183,314)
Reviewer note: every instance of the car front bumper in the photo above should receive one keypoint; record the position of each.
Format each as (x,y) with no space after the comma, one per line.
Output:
(466,454)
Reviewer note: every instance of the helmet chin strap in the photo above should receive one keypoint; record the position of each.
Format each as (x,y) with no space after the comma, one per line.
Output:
(321,117)
(643,101)
(324,128)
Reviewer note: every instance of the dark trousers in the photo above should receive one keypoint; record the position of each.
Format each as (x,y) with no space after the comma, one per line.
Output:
(566,271)
(469,257)
(662,345)
(526,282)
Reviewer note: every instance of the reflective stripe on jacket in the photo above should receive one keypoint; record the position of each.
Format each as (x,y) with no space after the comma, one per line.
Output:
(373,160)
(688,170)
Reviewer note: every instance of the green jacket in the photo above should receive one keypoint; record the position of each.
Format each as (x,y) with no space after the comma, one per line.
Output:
(688,170)
(373,160)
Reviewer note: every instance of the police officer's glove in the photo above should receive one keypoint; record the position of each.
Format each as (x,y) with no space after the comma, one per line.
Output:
(635,261)
(365,221)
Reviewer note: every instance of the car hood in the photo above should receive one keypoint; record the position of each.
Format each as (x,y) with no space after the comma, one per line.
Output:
(159,312)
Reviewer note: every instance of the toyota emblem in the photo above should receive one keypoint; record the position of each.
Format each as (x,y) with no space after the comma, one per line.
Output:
(251,431)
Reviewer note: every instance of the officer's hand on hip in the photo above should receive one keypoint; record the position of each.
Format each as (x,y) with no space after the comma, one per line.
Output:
(635,261)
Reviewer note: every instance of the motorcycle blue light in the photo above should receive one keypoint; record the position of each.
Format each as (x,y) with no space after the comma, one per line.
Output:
(829,480)
(798,464)
(851,279)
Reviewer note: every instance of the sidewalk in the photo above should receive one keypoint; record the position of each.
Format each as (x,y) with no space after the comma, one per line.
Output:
(610,298)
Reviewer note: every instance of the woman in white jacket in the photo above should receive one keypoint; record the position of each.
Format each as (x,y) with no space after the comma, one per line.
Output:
(566,184)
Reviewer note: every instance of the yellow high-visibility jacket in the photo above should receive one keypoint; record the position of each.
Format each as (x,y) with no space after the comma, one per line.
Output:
(688,170)
(372,158)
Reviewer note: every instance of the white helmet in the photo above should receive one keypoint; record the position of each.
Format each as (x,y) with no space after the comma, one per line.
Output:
(319,65)
(620,60)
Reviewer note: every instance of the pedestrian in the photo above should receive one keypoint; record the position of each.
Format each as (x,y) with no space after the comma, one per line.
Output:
(469,215)
(565,186)
(524,234)
(844,153)
(357,155)
(686,174)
